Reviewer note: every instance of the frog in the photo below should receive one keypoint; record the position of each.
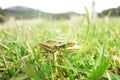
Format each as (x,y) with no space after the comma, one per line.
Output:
(53,46)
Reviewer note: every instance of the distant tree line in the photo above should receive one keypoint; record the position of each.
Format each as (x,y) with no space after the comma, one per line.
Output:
(19,12)
(60,16)
(113,12)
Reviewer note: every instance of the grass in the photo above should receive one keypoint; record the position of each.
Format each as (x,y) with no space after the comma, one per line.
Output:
(98,58)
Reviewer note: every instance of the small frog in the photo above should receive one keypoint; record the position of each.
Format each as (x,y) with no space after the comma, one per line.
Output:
(53,46)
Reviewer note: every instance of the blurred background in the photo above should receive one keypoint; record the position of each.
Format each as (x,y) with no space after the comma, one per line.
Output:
(57,9)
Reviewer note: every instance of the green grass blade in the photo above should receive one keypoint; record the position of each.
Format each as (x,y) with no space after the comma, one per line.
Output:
(33,73)
(101,68)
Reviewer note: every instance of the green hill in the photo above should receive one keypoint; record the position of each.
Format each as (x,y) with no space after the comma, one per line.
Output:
(25,12)
(113,12)
(21,12)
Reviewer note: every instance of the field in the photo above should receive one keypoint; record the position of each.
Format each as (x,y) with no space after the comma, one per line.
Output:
(98,57)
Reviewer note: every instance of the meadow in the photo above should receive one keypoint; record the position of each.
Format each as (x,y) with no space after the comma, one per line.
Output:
(98,57)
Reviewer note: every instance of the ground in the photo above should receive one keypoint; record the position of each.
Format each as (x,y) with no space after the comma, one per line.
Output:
(97,58)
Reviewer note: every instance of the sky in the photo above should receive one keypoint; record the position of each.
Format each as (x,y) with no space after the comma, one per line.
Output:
(60,6)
